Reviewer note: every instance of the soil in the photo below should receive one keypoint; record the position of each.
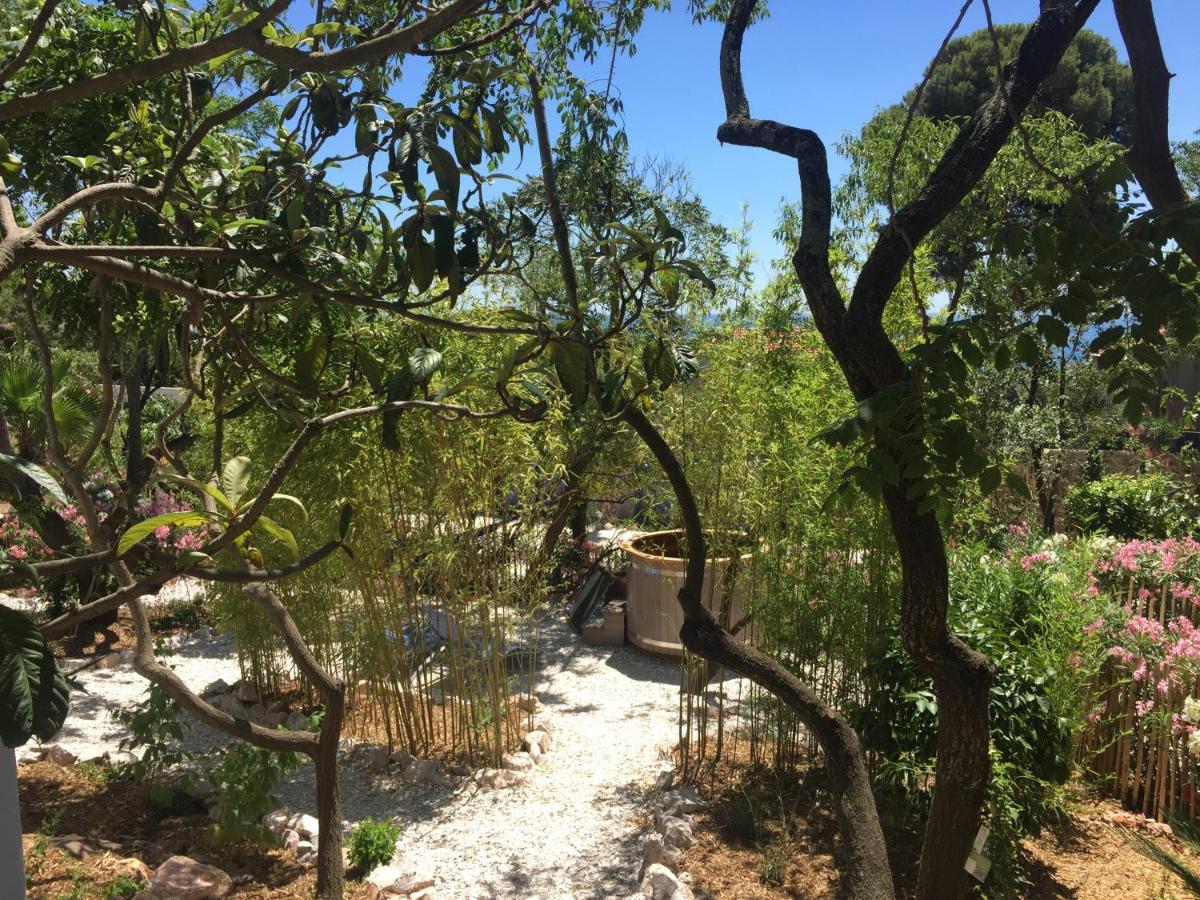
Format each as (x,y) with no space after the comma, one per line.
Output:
(57,801)
(764,837)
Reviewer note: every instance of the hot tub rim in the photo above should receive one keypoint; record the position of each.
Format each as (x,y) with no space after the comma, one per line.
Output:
(627,546)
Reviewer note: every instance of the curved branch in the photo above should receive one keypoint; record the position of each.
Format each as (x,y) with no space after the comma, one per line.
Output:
(45,14)
(164,64)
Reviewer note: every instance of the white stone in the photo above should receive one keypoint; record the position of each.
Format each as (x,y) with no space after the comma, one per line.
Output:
(535,753)
(660,883)
(677,834)
(516,762)
(277,820)
(396,881)
(306,825)
(220,686)
(683,799)
(291,840)
(658,853)
(539,739)
(665,776)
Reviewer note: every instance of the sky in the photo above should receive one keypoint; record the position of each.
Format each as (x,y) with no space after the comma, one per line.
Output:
(827,65)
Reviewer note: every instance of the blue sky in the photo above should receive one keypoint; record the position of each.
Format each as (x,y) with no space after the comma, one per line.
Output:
(827,65)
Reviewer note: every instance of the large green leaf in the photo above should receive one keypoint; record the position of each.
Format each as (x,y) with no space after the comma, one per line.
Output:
(146,527)
(201,487)
(36,474)
(423,362)
(34,694)
(234,478)
(281,534)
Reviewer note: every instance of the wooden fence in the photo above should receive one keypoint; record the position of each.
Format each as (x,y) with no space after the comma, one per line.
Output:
(1139,752)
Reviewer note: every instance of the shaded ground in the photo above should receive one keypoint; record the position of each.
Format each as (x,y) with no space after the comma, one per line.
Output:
(764,838)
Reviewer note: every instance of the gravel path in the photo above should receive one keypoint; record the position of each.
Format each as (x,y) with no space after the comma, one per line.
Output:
(573,831)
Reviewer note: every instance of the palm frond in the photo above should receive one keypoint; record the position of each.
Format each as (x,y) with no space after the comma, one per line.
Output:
(1168,860)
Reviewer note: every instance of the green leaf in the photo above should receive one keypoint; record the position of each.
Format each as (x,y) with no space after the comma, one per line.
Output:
(287,498)
(279,533)
(35,473)
(1017,484)
(146,527)
(34,695)
(202,488)
(399,388)
(310,361)
(345,516)
(423,362)
(445,170)
(570,365)
(235,477)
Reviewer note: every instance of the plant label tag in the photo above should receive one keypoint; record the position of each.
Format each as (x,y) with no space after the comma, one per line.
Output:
(977,865)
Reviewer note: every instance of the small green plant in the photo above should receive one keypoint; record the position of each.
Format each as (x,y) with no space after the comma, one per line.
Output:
(79,887)
(156,729)
(773,866)
(35,859)
(49,826)
(244,778)
(373,844)
(122,888)
(93,772)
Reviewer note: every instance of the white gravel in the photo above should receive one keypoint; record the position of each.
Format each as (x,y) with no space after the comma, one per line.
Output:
(574,831)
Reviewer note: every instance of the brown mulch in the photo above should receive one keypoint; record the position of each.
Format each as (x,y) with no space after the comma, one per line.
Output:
(63,801)
(765,837)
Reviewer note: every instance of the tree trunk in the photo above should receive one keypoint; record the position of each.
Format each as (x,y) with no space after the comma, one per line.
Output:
(961,678)
(330,866)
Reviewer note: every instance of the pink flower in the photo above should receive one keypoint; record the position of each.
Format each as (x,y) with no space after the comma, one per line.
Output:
(162,532)
(1093,627)
(1143,707)
(1041,558)
(17,552)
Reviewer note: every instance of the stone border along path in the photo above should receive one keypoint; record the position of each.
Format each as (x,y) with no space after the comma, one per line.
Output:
(575,830)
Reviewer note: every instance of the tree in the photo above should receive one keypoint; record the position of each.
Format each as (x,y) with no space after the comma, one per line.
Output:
(205,243)
(906,428)
(1089,84)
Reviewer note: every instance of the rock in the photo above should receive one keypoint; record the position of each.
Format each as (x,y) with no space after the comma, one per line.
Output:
(109,661)
(290,839)
(401,759)
(306,825)
(374,759)
(246,692)
(459,771)
(664,818)
(658,853)
(296,721)
(303,848)
(229,704)
(665,776)
(60,756)
(426,771)
(220,686)
(535,753)
(277,821)
(498,779)
(539,739)
(277,706)
(683,799)
(131,867)
(347,745)
(272,720)
(182,878)
(677,834)
(660,883)
(394,881)
(516,762)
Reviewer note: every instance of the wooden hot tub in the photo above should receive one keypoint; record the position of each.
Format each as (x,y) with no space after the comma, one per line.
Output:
(656,571)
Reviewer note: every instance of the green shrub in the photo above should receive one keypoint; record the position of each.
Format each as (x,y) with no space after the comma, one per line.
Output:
(373,844)
(122,888)
(1153,506)
(245,778)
